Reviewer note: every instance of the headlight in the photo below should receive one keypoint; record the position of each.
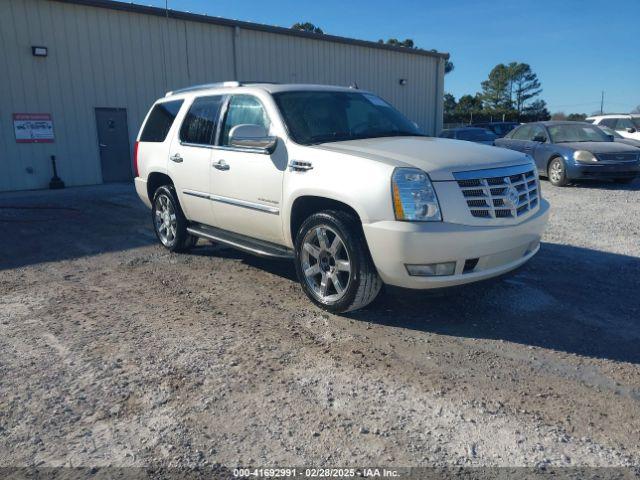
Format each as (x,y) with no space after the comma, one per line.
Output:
(584,156)
(414,198)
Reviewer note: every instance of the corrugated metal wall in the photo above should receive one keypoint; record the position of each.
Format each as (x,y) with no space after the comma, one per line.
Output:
(100,57)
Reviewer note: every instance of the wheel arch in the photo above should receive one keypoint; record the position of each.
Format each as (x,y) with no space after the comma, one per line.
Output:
(155,180)
(305,205)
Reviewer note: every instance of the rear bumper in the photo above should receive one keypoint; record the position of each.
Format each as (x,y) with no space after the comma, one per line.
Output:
(603,170)
(141,190)
(498,250)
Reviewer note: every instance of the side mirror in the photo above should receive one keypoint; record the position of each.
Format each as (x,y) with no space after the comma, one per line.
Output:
(539,139)
(631,130)
(611,138)
(252,137)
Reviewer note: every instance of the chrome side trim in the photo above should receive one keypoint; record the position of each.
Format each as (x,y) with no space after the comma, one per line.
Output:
(196,194)
(493,172)
(232,201)
(197,145)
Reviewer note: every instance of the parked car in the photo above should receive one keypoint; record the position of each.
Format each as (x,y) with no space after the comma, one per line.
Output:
(339,181)
(626,125)
(566,151)
(471,134)
(619,138)
(499,128)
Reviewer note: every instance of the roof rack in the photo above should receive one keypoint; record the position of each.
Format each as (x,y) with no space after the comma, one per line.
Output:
(231,83)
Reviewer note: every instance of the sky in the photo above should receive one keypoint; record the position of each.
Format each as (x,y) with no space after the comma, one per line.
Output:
(577,48)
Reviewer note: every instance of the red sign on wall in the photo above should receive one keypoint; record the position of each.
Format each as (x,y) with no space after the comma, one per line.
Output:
(33,127)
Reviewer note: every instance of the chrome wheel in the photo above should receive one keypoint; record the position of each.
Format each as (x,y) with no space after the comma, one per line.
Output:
(165,220)
(556,171)
(325,264)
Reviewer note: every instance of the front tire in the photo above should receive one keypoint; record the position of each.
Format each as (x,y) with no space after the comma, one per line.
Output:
(557,172)
(169,221)
(333,262)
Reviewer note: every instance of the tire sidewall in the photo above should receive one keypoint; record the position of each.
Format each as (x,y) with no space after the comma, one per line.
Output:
(563,180)
(181,228)
(352,244)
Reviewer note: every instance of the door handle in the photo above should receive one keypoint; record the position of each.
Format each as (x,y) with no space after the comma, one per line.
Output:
(102,145)
(221,165)
(176,158)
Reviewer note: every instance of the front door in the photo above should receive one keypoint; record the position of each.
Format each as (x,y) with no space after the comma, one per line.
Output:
(246,187)
(113,142)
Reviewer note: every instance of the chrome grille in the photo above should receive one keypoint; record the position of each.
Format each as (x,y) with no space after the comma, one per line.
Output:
(500,192)
(617,157)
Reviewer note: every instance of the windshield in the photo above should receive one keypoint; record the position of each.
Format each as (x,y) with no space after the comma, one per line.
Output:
(476,135)
(332,116)
(577,133)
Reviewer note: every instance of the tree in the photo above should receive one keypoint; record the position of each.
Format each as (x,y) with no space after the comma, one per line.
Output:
(307,27)
(577,117)
(407,42)
(448,66)
(636,110)
(526,85)
(450,104)
(537,111)
(559,116)
(495,90)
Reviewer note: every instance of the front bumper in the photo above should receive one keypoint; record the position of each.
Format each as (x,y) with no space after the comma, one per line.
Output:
(577,171)
(498,249)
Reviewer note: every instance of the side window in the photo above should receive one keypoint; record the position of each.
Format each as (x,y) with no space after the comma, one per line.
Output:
(537,131)
(624,123)
(521,133)
(243,109)
(199,125)
(160,120)
(608,122)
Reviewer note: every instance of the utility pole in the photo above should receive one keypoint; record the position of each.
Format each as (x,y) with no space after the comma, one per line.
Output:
(602,103)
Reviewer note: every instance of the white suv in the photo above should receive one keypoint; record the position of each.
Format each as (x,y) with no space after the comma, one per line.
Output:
(339,181)
(626,125)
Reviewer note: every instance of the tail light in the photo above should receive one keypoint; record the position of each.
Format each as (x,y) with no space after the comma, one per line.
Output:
(135,160)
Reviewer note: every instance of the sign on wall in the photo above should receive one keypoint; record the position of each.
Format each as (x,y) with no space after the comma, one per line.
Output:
(33,127)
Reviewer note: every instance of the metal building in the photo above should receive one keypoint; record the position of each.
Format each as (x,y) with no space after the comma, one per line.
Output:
(78,77)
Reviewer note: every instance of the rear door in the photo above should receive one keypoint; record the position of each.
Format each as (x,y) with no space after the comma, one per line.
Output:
(190,158)
(516,140)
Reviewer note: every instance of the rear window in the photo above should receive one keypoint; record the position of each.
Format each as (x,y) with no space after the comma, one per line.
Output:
(160,120)
(476,135)
(199,126)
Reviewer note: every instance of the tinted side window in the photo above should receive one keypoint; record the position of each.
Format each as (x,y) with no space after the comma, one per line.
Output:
(537,131)
(243,109)
(199,125)
(608,122)
(160,120)
(624,123)
(521,133)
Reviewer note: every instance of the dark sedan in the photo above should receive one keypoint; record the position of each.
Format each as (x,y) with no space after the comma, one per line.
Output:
(471,134)
(567,151)
(499,128)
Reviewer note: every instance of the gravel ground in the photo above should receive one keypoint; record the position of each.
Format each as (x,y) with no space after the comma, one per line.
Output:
(116,352)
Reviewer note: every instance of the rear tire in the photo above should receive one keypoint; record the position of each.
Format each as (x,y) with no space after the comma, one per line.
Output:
(557,172)
(169,221)
(333,263)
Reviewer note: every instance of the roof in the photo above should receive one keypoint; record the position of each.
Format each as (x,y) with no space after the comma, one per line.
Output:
(551,123)
(610,115)
(269,87)
(178,15)
(460,129)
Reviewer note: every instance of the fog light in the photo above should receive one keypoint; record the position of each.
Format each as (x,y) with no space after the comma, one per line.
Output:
(432,269)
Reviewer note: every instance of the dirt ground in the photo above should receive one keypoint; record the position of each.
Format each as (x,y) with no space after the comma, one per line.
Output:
(116,352)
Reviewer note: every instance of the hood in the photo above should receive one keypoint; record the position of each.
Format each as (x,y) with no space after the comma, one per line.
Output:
(628,141)
(439,157)
(600,147)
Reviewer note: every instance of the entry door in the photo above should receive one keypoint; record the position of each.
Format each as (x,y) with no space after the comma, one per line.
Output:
(113,142)
(246,187)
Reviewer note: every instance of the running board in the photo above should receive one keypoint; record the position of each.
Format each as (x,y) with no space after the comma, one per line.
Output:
(240,242)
